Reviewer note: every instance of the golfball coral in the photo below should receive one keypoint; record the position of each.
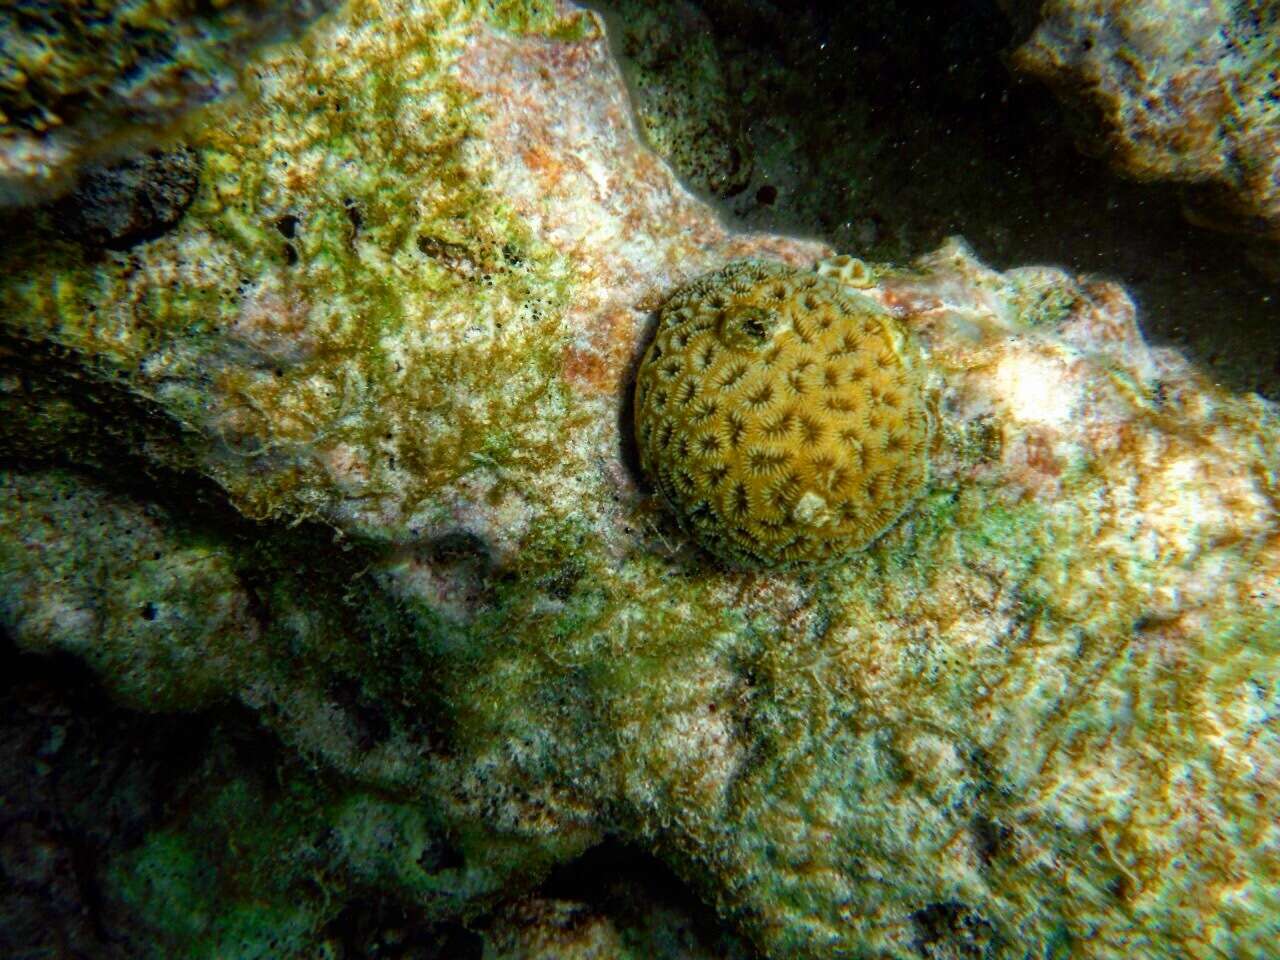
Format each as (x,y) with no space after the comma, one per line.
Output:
(782,415)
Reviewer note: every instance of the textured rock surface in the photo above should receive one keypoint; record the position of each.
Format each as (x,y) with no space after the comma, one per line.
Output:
(112,583)
(1036,717)
(122,203)
(79,77)
(883,128)
(1180,90)
(682,104)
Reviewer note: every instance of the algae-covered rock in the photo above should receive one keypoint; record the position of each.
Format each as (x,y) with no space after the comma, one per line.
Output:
(102,578)
(337,287)
(263,854)
(1033,718)
(82,77)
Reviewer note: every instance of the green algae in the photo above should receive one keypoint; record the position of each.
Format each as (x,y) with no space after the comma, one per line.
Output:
(538,17)
(424,311)
(252,867)
(173,889)
(237,873)
(839,701)
(847,702)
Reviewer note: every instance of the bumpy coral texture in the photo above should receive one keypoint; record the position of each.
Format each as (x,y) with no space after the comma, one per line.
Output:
(782,415)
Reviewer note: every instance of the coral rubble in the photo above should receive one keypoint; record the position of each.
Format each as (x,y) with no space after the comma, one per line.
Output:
(370,395)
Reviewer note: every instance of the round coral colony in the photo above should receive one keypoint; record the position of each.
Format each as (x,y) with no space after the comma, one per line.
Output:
(782,415)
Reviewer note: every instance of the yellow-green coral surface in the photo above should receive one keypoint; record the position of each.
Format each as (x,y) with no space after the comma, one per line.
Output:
(781,415)
(81,78)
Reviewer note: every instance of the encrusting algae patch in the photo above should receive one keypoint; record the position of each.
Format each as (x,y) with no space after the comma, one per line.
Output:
(782,416)
(346,320)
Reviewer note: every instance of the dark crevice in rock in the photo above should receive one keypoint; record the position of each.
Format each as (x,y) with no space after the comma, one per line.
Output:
(120,204)
(644,897)
(380,929)
(81,778)
(952,931)
(85,784)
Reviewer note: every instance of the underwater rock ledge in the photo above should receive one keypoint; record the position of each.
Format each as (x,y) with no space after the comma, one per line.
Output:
(1176,90)
(82,80)
(404,308)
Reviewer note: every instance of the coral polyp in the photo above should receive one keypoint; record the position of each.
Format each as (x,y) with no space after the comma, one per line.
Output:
(782,415)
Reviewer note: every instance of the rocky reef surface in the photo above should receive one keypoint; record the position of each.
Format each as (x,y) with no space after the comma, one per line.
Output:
(885,127)
(1178,90)
(341,457)
(80,79)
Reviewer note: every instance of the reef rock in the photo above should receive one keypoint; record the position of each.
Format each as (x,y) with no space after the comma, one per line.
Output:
(79,78)
(1178,90)
(683,106)
(398,326)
